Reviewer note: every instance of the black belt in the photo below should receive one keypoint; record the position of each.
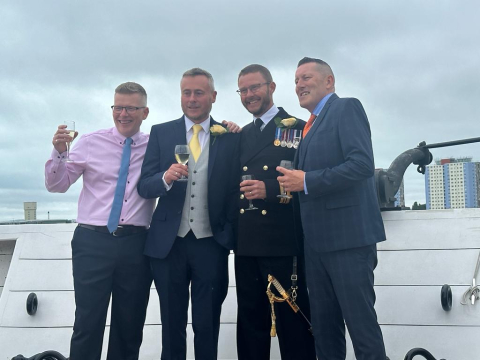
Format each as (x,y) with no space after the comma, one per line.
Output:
(122,230)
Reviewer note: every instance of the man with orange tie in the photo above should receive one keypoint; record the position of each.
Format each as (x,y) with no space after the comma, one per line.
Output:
(191,233)
(340,215)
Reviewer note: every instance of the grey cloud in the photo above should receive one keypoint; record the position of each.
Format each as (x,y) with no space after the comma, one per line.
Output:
(413,65)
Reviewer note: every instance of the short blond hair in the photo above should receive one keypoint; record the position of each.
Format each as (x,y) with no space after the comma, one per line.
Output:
(132,88)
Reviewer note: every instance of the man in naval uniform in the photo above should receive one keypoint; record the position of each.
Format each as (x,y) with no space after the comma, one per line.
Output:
(191,233)
(269,238)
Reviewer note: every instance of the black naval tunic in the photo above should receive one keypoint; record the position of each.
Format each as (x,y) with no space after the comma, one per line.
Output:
(268,238)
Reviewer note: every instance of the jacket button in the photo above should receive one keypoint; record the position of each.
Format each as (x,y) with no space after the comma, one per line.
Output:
(242,211)
(193,182)
(245,168)
(242,196)
(264,212)
(265,167)
(191,220)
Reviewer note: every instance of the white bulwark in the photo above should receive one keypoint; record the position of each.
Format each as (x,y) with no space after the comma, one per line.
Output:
(424,250)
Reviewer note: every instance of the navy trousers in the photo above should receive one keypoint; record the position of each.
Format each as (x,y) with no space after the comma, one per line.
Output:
(340,285)
(199,265)
(254,319)
(105,266)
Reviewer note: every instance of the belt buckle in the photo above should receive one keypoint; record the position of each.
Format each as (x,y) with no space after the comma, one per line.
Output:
(119,227)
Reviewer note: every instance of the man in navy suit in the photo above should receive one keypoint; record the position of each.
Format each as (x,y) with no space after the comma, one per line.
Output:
(340,215)
(191,233)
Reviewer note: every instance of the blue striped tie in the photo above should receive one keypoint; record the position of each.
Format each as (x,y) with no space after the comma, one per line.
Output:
(120,189)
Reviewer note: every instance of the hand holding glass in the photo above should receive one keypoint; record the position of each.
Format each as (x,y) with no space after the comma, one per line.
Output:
(71,132)
(287,164)
(182,153)
(250,204)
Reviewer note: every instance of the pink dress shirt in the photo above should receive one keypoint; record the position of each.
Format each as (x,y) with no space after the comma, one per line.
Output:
(97,157)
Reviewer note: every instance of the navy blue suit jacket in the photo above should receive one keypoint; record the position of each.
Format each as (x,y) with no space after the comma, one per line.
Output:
(223,186)
(340,210)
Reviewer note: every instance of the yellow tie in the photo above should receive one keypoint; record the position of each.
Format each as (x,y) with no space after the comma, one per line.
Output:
(194,144)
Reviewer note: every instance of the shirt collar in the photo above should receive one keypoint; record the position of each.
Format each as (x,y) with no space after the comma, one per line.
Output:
(121,138)
(269,115)
(321,104)
(205,124)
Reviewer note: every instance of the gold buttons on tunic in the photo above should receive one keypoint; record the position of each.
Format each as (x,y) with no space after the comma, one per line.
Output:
(242,196)
(245,168)
(242,211)
(264,212)
(265,167)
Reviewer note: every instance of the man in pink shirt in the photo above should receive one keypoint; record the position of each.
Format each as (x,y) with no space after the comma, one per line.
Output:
(108,244)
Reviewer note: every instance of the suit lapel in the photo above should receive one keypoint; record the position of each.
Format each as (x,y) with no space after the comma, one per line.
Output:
(250,137)
(258,142)
(304,143)
(180,133)
(213,148)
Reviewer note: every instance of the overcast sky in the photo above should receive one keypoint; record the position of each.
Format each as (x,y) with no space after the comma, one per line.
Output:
(415,66)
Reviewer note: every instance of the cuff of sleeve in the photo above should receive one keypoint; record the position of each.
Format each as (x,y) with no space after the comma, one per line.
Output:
(57,157)
(167,187)
(272,187)
(305,184)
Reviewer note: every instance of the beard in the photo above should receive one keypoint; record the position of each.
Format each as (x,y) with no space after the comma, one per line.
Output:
(260,107)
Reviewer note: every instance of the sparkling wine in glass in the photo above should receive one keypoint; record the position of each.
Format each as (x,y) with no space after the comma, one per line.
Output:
(287,164)
(71,132)
(182,153)
(250,204)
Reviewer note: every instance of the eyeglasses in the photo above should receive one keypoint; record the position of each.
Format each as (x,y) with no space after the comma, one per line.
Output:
(253,88)
(128,109)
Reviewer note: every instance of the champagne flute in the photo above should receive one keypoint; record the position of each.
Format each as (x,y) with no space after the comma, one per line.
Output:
(250,204)
(287,164)
(182,154)
(71,132)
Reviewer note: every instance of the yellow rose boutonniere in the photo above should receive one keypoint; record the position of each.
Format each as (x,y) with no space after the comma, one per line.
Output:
(286,123)
(217,130)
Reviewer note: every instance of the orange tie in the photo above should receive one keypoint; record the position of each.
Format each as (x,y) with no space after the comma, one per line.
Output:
(308,125)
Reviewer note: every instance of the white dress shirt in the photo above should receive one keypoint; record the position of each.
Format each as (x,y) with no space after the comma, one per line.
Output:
(203,138)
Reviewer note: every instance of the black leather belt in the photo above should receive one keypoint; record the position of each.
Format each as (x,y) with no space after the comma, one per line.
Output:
(122,230)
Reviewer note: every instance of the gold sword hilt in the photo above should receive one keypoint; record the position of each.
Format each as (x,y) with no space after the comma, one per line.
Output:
(285,295)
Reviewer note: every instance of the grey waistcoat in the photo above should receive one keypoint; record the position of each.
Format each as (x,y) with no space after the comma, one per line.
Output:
(196,198)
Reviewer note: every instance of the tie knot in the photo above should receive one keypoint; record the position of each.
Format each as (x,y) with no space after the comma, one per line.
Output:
(196,128)
(312,117)
(258,123)
(128,141)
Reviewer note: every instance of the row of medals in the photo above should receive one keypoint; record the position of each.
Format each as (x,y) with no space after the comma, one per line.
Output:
(287,138)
